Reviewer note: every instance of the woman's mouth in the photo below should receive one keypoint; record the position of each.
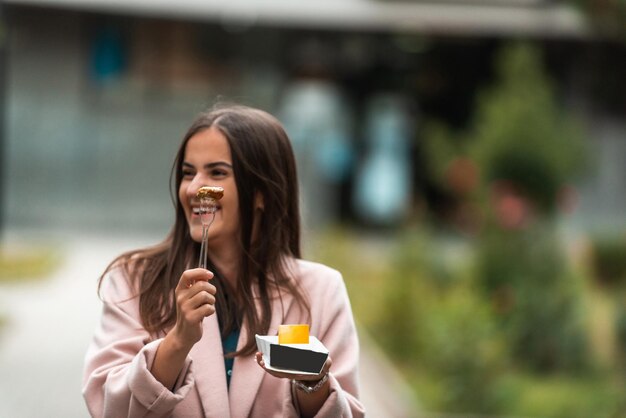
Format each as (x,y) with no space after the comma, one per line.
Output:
(204,210)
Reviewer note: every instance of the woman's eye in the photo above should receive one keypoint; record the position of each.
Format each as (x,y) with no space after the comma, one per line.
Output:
(218,173)
(187,174)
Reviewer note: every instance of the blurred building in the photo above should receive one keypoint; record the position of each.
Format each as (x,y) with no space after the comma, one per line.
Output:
(97,94)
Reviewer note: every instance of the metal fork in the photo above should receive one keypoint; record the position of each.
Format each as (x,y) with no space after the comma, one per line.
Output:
(206,206)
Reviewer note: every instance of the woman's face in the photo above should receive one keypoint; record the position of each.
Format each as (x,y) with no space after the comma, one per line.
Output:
(208,162)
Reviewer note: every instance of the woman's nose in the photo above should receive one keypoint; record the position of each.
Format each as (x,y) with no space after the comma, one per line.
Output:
(195,184)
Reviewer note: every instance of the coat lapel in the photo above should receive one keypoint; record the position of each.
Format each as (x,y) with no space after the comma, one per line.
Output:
(245,382)
(247,374)
(209,371)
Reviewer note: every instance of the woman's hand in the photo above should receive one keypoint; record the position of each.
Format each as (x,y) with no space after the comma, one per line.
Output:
(195,300)
(300,377)
(308,403)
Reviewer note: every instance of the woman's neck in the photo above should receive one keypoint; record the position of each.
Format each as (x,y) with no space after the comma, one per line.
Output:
(226,261)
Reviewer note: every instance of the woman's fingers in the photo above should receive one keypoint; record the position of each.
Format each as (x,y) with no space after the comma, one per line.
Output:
(259,359)
(196,315)
(193,276)
(203,287)
(198,303)
(201,298)
(195,296)
(325,370)
(193,283)
(327,364)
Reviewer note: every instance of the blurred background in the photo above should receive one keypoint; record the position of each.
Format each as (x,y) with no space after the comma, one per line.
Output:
(461,162)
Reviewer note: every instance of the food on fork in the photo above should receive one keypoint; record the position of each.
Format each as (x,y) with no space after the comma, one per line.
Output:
(210,192)
(208,196)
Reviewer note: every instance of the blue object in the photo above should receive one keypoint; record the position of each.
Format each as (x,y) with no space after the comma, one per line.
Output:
(383,186)
(108,58)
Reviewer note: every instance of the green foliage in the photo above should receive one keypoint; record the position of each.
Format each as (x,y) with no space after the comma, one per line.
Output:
(398,321)
(539,302)
(520,133)
(417,295)
(441,147)
(27,263)
(440,327)
(620,329)
(566,397)
(608,260)
(519,136)
(463,353)
(362,261)
(464,335)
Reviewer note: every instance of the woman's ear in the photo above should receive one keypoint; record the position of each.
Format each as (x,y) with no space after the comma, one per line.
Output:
(258,201)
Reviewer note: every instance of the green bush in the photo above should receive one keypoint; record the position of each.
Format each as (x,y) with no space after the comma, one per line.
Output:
(439,327)
(528,150)
(620,330)
(538,301)
(608,260)
(397,323)
(520,133)
(462,351)
(458,346)
(566,397)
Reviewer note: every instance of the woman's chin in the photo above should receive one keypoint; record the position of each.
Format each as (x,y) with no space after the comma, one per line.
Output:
(195,234)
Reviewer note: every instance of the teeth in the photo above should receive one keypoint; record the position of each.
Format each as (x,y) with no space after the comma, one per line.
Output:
(199,211)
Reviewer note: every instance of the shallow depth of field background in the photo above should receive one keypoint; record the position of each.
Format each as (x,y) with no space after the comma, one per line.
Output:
(462,164)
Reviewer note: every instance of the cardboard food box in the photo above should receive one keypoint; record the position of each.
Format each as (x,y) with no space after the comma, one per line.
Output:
(292,358)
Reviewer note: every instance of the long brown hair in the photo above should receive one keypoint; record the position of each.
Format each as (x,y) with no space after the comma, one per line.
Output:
(263,162)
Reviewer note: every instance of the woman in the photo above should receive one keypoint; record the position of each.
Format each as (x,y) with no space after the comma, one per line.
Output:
(178,341)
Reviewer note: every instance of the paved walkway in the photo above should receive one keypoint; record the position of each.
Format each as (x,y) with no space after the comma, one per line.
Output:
(50,325)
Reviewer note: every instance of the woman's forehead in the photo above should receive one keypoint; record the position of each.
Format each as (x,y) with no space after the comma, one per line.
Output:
(209,144)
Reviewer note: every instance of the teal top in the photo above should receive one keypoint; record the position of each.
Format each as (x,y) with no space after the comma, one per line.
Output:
(229,345)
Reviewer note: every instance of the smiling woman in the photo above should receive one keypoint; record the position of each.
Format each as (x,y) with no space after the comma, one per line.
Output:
(179,341)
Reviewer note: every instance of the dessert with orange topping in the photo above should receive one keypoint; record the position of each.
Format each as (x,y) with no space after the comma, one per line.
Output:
(293,334)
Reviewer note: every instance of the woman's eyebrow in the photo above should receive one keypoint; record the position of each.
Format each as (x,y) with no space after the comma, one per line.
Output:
(217,164)
(209,166)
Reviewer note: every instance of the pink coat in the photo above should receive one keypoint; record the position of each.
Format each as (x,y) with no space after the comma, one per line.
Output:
(117,381)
